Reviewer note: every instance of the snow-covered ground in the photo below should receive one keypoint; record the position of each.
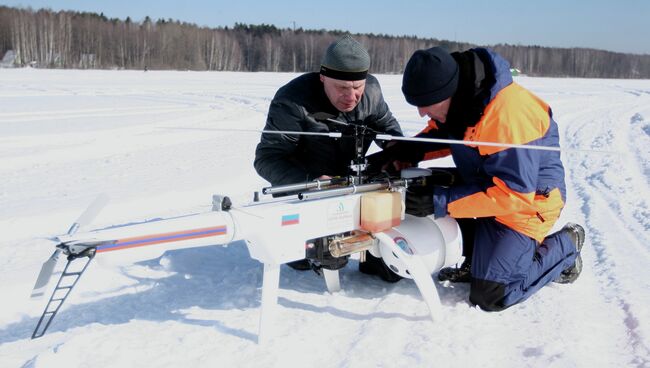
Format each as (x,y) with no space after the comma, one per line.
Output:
(66,136)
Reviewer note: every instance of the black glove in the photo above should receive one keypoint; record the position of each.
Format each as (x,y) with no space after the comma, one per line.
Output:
(419,201)
(393,158)
(444,177)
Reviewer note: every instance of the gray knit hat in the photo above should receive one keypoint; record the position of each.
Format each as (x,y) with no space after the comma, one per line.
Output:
(345,59)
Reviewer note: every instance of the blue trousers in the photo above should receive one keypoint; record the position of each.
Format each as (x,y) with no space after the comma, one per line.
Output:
(508,267)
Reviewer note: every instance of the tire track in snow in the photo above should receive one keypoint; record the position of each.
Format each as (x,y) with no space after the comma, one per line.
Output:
(640,138)
(607,270)
(602,183)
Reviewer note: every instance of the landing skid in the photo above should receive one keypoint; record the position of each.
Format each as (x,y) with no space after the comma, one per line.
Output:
(332,280)
(420,275)
(414,264)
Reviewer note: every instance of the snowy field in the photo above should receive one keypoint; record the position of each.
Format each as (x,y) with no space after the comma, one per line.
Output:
(67,136)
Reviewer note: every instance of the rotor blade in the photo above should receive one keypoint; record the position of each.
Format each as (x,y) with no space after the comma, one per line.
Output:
(322,134)
(44,276)
(323,116)
(387,137)
(90,213)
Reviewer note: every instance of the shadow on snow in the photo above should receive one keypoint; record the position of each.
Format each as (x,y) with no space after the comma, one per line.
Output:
(220,278)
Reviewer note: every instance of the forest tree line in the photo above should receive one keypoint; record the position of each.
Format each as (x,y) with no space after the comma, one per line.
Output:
(67,39)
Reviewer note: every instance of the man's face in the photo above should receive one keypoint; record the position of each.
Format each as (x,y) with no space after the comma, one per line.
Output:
(437,112)
(344,95)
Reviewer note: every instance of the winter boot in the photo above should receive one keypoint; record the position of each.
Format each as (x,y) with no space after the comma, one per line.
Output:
(457,274)
(376,266)
(577,235)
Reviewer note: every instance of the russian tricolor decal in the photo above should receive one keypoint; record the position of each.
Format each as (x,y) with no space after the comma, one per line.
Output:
(290,219)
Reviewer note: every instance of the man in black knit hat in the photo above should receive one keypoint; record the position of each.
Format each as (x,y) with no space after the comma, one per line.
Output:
(343,90)
(505,199)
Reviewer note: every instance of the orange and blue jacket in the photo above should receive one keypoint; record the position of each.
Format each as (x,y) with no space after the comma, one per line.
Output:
(521,188)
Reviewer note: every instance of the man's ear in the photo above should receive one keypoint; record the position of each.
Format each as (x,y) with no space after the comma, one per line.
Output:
(322,79)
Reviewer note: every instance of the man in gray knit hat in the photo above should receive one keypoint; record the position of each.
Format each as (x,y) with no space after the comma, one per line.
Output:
(342,89)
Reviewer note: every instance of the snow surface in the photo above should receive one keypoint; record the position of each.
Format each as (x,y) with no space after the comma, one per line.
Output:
(66,136)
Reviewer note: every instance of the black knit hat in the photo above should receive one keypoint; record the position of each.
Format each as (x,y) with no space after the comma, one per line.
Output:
(345,59)
(430,76)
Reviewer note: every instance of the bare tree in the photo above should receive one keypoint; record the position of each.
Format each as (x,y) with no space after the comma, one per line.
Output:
(89,40)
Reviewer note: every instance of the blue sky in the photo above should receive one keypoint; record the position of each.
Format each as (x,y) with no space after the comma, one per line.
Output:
(622,26)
